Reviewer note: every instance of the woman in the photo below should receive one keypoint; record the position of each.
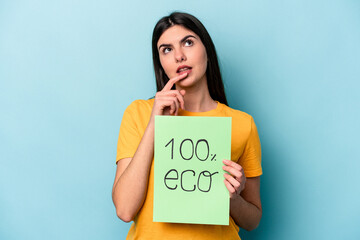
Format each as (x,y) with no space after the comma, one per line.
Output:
(189,84)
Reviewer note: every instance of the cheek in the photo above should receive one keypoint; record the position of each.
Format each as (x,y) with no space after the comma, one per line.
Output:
(165,65)
(203,60)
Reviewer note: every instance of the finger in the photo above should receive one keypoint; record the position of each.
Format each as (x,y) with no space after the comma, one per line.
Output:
(167,103)
(174,93)
(180,99)
(172,81)
(236,184)
(176,103)
(182,93)
(232,164)
(234,172)
(229,187)
(172,107)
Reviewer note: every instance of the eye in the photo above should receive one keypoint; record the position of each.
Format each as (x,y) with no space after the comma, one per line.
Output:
(166,50)
(189,42)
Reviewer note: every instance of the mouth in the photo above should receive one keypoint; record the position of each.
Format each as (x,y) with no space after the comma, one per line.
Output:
(184,69)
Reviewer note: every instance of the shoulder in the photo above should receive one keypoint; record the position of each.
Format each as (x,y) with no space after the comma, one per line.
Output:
(236,114)
(138,113)
(140,105)
(242,122)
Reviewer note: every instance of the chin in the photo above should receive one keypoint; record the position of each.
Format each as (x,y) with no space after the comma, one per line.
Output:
(187,82)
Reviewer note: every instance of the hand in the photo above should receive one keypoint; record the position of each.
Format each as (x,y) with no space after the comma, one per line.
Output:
(167,101)
(235,182)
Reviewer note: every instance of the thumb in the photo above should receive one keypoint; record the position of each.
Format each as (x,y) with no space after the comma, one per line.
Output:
(182,92)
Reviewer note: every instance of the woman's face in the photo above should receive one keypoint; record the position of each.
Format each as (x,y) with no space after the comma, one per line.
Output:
(181,50)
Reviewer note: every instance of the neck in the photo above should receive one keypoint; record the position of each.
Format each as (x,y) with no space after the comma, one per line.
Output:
(197,98)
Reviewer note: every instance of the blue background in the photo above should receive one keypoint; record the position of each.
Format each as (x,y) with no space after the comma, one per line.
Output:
(68,69)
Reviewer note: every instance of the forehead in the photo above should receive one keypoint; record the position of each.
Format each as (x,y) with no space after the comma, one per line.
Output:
(174,34)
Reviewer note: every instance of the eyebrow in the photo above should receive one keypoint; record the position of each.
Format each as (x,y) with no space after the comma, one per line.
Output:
(182,40)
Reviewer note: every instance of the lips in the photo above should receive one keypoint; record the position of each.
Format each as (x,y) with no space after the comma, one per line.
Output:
(183,69)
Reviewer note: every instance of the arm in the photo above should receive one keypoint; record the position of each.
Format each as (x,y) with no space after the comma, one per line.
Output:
(246,208)
(131,178)
(132,174)
(245,203)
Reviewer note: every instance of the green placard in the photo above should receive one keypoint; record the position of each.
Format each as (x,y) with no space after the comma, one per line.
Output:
(189,179)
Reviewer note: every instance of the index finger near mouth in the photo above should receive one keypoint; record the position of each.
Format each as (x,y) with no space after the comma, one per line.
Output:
(172,81)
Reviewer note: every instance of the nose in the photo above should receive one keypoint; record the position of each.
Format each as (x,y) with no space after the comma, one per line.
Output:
(179,55)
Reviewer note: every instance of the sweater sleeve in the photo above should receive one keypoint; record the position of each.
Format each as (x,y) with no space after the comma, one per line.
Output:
(129,135)
(250,160)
